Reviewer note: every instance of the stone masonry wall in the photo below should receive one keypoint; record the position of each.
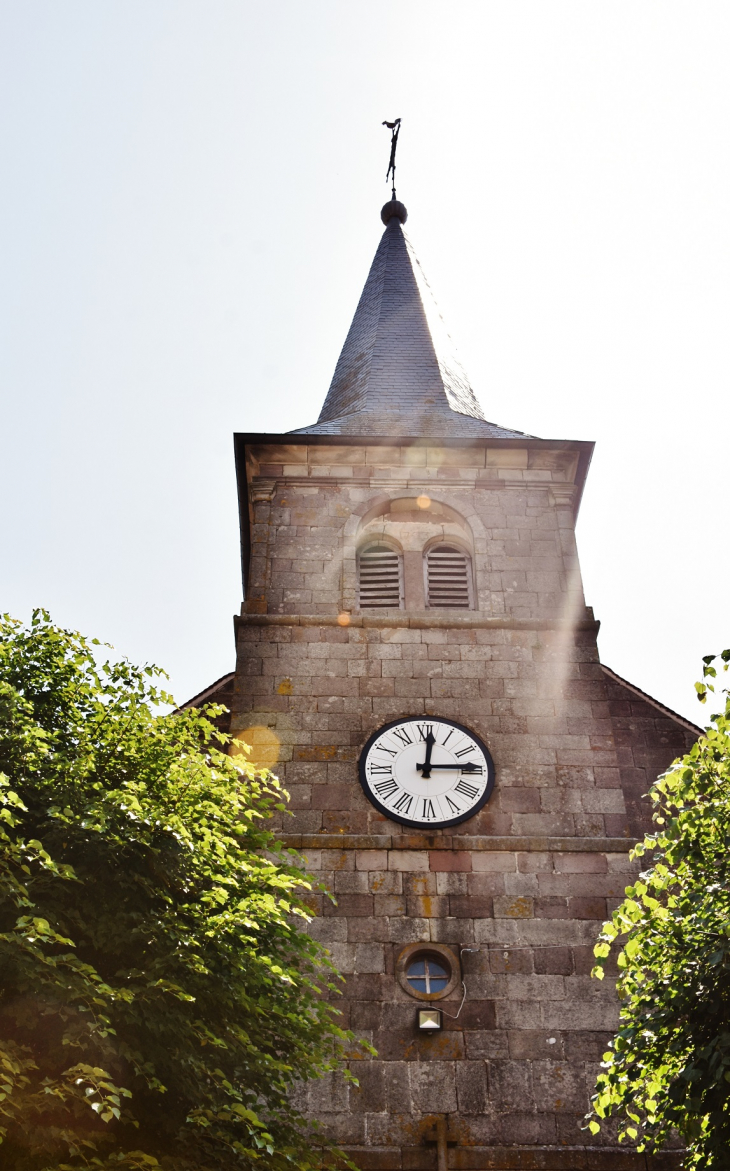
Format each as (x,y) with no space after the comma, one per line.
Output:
(526,883)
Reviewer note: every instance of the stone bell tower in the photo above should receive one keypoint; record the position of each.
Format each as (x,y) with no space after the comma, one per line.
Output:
(410,570)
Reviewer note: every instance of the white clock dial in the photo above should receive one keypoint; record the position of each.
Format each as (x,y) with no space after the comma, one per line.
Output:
(426,772)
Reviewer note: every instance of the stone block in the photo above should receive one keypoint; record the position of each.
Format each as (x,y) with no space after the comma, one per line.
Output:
(451,883)
(337,860)
(389,905)
(515,1014)
(386,882)
(350,882)
(603,801)
(453,931)
(538,988)
(490,1044)
(571,1016)
(427,906)
(419,883)
(371,860)
(586,1046)
(486,885)
(508,960)
(368,930)
(403,930)
(397,1087)
(477,1014)
(561,1084)
(433,1086)
(408,860)
(369,957)
(369,1095)
(471,1087)
(508,907)
(518,1127)
(347,905)
(470,906)
(328,1094)
(343,956)
(496,862)
(373,1158)
(510,1084)
(553,961)
(571,863)
(450,860)
(521,884)
(328,931)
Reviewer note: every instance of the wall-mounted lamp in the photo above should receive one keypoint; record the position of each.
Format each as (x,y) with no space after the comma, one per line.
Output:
(429,1020)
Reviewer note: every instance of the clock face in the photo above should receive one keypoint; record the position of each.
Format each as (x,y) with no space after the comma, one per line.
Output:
(426,772)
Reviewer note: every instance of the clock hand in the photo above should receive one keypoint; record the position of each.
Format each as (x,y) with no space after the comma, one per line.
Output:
(465,768)
(425,768)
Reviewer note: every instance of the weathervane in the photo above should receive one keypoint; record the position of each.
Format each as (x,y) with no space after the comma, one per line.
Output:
(394,128)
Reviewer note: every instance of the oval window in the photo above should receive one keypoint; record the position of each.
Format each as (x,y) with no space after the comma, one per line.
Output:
(427,975)
(428,971)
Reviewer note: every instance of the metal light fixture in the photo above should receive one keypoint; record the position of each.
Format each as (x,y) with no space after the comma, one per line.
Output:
(429,1020)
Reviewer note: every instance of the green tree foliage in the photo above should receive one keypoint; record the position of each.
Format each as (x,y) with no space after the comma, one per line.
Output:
(669,1065)
(158,994)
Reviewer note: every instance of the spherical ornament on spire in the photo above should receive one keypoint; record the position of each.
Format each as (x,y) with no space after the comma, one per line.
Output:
(394,208)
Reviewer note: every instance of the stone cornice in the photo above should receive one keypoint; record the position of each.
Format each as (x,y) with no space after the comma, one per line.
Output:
(403,619)
(393,483)
(459,842)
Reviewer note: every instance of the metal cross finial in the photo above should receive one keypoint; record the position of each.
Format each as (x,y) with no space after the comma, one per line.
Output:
(394,128)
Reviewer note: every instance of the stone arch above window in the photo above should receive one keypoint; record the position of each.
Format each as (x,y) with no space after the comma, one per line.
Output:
(448,577)
(380,576)
(412,521)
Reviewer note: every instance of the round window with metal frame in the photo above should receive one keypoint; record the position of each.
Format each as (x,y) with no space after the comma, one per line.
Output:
(428,971)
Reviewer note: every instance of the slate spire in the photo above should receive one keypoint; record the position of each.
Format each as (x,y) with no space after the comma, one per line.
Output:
(398,373)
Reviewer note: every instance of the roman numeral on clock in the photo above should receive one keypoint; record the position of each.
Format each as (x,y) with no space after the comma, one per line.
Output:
(403,804)
(468,790)
(385,788)
(424,730)
(464,751)
(381,768)
(402,735)
(428,811)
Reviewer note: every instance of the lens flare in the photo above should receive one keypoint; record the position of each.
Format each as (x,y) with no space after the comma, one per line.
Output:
(262,746)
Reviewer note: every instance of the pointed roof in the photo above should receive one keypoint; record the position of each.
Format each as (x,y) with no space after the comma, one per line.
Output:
(398,373)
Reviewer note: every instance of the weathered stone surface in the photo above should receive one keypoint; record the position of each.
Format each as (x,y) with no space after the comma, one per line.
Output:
(526,883)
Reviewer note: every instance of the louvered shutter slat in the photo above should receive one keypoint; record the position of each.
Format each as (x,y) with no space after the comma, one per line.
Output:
(448,578)
(380,578)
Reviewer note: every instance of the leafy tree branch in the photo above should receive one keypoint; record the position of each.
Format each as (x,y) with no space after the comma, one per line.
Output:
(159,994)
(668,1069)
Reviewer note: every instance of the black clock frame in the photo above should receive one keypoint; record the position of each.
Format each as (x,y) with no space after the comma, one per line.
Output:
(425,825)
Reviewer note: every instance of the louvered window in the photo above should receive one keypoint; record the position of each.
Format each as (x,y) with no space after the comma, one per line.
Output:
(448,578)
(380,577)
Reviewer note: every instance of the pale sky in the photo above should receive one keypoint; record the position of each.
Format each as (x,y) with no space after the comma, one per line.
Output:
(189,207)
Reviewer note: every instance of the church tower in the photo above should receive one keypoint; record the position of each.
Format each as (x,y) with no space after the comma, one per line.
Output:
(417,663)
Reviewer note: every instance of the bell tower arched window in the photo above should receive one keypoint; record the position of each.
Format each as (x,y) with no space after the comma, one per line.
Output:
(448,578)
(380,577)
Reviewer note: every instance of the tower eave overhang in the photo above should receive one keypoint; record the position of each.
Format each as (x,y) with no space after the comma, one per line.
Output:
(243,440)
